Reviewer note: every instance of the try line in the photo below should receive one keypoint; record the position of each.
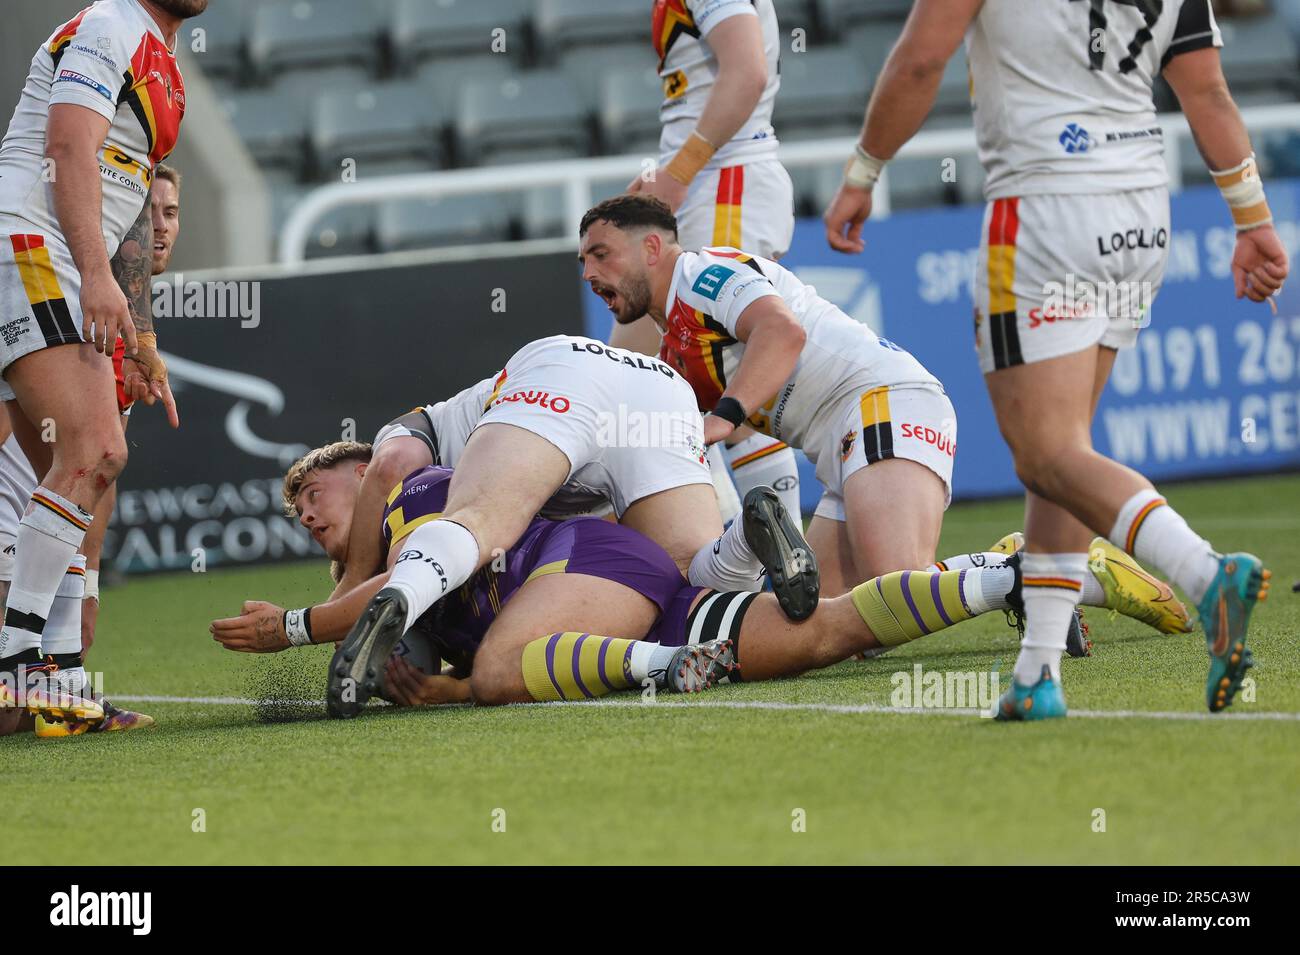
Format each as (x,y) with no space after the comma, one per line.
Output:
(852,708)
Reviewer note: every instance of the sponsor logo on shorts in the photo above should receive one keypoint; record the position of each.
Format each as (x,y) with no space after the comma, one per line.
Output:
(74,77)
(787,482)
(1131,239)
(12,331)
(846,444)
(543,399)
(943,441)
(1076,299)
(1075,139)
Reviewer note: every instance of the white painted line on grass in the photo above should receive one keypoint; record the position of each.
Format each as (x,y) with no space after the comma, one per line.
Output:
(856,708)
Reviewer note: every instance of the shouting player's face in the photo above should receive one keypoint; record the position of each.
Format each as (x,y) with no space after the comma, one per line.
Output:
(165,205)
(614,265)
(325,503)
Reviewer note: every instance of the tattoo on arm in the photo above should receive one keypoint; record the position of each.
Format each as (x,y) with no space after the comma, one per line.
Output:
(132,266)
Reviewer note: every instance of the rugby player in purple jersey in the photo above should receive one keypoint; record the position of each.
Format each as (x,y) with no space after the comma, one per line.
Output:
(576,608)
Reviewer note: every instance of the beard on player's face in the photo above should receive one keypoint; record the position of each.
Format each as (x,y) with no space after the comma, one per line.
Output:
(633,298)
(182,8)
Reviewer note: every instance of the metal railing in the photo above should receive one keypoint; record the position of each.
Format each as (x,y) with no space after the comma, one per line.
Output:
(576,176)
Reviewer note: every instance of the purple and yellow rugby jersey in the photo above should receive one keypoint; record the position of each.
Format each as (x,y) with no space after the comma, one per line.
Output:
(580,545)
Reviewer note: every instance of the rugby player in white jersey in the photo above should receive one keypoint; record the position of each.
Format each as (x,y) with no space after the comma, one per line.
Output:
(101,107)
(718,171)
(569,425)
(1077,190)
(70,628)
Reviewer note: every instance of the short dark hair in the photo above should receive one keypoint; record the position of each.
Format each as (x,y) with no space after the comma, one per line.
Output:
(631,211)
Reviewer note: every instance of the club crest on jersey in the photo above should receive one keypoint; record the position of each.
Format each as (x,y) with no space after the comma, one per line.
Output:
(1075,139)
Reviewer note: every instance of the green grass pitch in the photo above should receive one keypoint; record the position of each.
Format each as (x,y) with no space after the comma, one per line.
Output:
(687,783)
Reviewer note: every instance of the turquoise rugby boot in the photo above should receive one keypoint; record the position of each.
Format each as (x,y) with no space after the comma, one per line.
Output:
(1042,701)
(1225,612)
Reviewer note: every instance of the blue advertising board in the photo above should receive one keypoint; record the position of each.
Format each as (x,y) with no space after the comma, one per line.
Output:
(1211,388)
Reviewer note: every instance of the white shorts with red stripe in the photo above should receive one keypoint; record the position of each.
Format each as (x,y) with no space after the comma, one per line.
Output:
(750,207)
(1061,273)
(40,296)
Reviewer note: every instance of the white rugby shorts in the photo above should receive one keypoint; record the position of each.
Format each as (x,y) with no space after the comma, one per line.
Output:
(1061,273)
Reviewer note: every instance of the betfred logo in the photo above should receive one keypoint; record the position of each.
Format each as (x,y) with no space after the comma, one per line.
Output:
(944,442)
(543,399)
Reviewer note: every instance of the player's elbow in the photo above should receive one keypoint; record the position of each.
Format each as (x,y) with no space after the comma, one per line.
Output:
(918,66)
(397,457)
(751,80)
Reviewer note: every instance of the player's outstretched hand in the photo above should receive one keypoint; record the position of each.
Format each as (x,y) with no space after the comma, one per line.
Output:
(408,686)
(844,218)
(259,629)
(1259,264)
(144,378)
(104,313)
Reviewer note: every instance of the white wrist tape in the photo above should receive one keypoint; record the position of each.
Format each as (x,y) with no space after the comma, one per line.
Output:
(1243,190)
(92,584)
(863,169)
(297,626)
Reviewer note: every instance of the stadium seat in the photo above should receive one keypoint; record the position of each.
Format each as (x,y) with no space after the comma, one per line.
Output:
(560,24)
(425,29)
(796,14)
(308,33)
(430,223)
(273,134)
(443,78)
(629,111)
(589,66)
(225,29)
(347,230)
(820,88)
(1258,52)
(872,42)
(381,121)
(537,108)
(836,16)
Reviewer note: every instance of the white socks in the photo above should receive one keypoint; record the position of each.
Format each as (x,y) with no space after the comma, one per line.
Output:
(1093,593)
(650,660)
(761,459)
(728,499)
(434,559)
(1051,585)
(62,634)
(1157,535)
(728,563)
(48,537)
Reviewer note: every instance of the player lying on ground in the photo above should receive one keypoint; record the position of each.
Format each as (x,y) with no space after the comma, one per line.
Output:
(570,580)
(70,629)
(1033,66)
(571,424)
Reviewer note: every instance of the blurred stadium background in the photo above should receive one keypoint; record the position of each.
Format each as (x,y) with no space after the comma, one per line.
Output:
(379,178)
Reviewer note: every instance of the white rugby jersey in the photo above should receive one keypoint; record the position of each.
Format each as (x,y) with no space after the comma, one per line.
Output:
(841,358)
(17,481)
(1062,90)
(110,58)
(680,30)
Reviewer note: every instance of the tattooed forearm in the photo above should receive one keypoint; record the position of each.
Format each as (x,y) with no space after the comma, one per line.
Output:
(132,266)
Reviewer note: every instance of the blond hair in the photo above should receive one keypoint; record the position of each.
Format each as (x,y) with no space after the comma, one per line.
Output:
(171,174)
(320,459)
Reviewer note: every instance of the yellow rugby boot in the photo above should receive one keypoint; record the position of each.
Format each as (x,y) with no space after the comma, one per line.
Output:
(1013,543)
(1134,592)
